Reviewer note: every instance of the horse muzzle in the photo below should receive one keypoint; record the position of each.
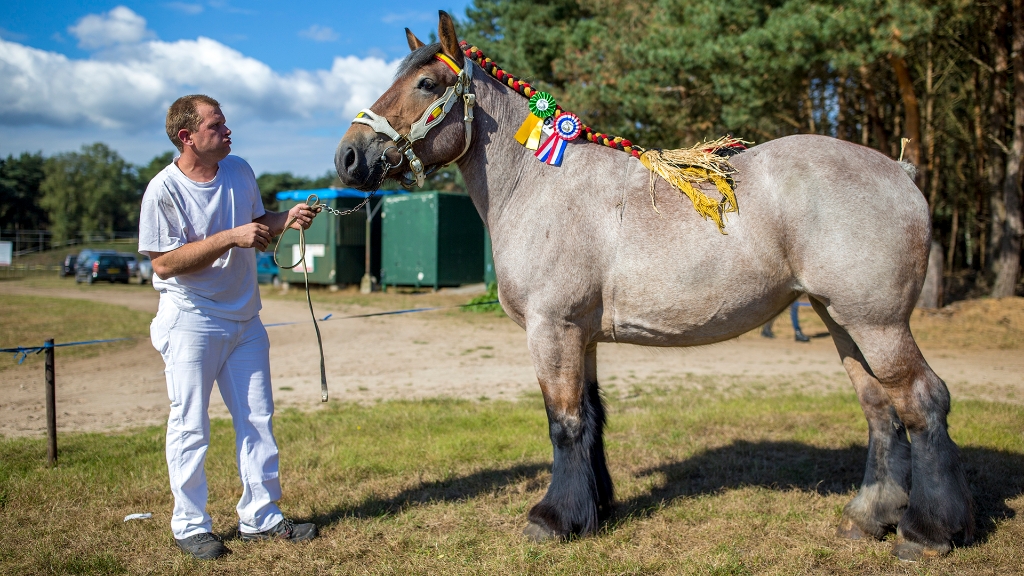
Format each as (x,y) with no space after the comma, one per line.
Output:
(361,164)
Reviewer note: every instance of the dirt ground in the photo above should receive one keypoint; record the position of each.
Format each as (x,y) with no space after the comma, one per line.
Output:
(465,355)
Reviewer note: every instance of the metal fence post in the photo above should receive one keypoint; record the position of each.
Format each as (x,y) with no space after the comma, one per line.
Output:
(51,408)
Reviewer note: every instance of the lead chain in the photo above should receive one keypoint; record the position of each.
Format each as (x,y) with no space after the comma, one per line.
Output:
(315,203)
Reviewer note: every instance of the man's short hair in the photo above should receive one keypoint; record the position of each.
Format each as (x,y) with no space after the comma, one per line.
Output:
(184,113)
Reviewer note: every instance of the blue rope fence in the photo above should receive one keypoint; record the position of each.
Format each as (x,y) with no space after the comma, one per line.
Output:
(22,352)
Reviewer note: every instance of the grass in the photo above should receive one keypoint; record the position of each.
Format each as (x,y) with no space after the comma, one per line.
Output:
(705,485)
(480,302)
(30,320)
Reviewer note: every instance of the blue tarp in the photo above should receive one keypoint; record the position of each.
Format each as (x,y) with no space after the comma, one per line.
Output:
(327,193)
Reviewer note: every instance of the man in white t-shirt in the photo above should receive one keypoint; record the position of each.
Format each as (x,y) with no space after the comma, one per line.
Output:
(201,224)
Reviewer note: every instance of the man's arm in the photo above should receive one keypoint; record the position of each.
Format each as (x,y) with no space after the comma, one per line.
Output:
(195,256)
(276,221)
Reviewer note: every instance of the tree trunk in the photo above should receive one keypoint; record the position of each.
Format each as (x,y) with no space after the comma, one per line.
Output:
(912,116)
(995,170)
(931,292)
(929,134)
(980,150)
(1008,266)
(873,110)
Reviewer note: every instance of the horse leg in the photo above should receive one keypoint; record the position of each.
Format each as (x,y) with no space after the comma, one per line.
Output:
(884,493)
(940,506)
(580,495)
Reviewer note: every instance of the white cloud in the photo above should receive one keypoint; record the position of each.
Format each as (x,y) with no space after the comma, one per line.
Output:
(130,89)
(119,26)
(224,6)
(185,7)
(120,95)
(319,33)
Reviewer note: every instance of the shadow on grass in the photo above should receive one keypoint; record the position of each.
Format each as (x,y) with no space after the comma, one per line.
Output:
(449,490)
(994,476)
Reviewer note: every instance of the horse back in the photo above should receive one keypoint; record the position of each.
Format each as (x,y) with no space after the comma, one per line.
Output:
(816,215)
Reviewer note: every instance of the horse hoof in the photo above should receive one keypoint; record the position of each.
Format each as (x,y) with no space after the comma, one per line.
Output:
(848,529)
(908,551)
(539,533)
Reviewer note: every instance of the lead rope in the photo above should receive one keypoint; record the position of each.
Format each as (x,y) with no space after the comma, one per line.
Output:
(314,203)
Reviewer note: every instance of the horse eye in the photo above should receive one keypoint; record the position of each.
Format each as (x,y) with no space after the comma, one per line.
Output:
(426,84)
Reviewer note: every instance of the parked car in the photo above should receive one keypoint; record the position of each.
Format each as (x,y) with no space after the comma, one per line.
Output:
(266,270)
(102,266)
(85,255)
(133,262)
(68,269)
(144,272)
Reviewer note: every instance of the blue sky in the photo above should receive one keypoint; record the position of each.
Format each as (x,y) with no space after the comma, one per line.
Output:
(290,76)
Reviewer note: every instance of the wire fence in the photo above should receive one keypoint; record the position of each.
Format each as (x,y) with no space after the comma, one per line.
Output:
(33,241)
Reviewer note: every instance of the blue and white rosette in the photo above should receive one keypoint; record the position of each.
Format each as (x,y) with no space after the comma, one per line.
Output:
(567,127)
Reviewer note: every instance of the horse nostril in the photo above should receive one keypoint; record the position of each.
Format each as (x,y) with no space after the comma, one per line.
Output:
(350,160)
(347,161)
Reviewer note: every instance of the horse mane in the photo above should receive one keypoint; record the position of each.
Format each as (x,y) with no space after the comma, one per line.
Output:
(419,57)
(706,161)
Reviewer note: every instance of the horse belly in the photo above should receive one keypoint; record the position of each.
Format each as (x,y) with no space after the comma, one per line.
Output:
(678,282)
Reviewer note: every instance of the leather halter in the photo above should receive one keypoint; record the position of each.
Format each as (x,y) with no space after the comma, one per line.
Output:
(431,117)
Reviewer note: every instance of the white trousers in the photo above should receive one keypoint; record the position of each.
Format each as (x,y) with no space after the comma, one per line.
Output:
(197,350)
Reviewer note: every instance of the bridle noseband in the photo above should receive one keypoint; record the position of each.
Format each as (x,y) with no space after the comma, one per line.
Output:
(431,117)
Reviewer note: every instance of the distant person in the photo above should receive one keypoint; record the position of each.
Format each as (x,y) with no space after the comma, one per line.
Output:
(201,224)
(766,330)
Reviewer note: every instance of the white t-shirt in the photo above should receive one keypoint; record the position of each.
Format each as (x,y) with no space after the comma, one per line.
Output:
(177,210)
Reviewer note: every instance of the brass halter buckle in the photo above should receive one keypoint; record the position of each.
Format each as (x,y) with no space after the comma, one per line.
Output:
(430,118)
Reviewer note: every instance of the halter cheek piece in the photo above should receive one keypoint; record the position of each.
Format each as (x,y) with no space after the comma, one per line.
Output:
(431,117)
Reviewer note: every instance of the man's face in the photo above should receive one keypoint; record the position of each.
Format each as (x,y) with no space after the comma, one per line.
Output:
(213,138)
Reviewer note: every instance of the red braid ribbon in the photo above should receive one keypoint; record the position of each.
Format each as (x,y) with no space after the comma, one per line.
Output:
(523,87)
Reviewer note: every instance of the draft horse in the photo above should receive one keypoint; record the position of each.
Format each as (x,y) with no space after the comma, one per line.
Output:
(582,257)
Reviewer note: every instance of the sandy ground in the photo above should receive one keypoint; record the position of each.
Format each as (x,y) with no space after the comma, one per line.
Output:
(439,354)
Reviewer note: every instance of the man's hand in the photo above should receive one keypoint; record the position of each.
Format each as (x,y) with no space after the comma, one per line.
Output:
(303,215)
(195,256)
(254,235)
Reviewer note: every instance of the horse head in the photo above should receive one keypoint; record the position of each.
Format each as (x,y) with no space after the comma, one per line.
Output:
(408,131)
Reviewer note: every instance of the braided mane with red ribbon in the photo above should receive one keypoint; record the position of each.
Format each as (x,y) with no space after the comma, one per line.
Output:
(705,162)
(523,87)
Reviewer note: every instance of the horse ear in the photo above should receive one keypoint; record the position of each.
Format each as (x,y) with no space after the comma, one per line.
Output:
(449,40)
(414,42)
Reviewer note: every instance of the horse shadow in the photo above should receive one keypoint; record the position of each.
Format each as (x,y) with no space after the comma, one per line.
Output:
(994,476)
(451,489)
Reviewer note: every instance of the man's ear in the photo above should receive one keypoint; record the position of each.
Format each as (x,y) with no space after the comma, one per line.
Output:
(414,42)
(449,40)
(185,137)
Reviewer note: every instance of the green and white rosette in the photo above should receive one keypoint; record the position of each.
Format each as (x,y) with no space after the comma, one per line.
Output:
(542,105)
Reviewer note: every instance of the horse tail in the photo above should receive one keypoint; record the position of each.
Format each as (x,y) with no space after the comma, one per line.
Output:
(909,168)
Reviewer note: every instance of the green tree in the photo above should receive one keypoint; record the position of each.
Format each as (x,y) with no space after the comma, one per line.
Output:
(272,183)
(19,192)
(94,190)
(948,74)
(155,166)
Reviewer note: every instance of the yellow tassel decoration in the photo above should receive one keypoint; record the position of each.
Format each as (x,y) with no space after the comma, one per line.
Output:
(688,166)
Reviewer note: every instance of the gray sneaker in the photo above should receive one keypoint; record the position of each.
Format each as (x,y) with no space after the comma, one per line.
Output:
(204,546)
(283,530)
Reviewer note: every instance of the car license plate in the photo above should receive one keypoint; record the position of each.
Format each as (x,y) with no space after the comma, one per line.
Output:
(113,270)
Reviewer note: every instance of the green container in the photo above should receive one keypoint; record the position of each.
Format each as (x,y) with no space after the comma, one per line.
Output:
(431,239)
(489,275)
(335,245)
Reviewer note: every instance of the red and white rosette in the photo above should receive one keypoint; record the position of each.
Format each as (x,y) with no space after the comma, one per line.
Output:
(567,127)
